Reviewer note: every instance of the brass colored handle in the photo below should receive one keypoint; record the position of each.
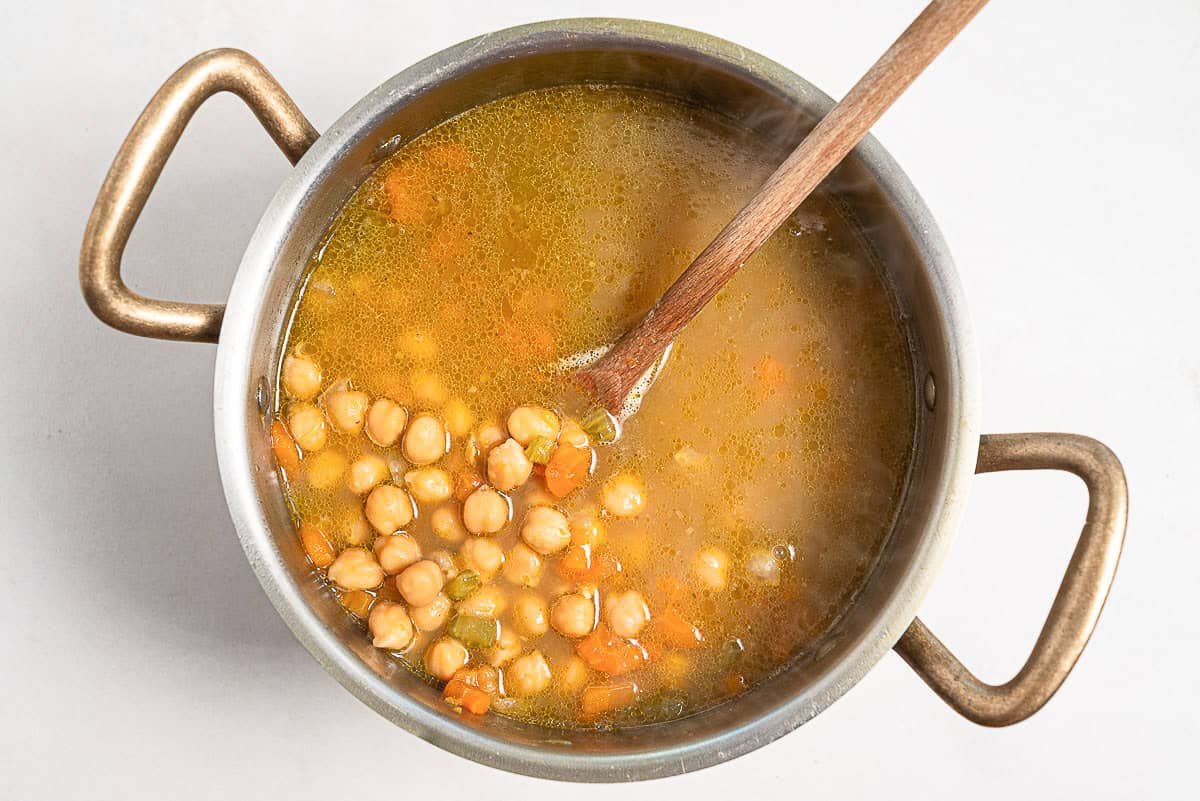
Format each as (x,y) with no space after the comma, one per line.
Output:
(1080,597)
(137,167)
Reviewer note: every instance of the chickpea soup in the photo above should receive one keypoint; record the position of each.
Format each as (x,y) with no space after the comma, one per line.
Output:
(492,529)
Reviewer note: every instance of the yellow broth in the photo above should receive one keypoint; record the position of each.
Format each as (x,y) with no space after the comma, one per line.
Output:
(779,433)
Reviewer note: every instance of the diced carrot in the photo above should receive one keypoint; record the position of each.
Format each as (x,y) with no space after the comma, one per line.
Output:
(287,455)
(677,631)
(466,482)
(357,602)
(319,551)
(601,698)
(567,469)
(484,677)
(406,199)
(476,701)
(581,563)
(604,651)
(471,688)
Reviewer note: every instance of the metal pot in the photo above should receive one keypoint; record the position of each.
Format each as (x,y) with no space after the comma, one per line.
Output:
(713,73)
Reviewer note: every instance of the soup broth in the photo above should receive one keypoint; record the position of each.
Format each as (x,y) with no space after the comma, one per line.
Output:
(423,402)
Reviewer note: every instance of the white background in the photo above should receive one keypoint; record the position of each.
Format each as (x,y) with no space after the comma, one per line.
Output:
(1056,143)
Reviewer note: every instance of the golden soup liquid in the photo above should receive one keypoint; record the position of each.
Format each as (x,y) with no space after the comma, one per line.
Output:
(770,452)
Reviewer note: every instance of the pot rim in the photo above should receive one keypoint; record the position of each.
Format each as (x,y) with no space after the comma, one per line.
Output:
(233,391)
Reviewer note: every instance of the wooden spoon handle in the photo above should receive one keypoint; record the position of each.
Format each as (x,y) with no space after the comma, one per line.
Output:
(612,377)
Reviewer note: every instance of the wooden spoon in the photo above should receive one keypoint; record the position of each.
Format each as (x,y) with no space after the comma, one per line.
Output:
(614,378)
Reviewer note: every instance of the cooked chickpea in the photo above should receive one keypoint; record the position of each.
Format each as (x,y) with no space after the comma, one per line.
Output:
(626,613)
(573,615)
(485,511)
(763,567)
(346,408)
(507,647)
(353,527)
(445,658)
(527,422)
(390,626)
(385,422)
(356,569)
(301,377)
(507,466)
(527,675)
(573,434)
(365,472)
(396,552)
(446,522)
(587,528)
(573,675)
(483,555)
(420,583)
(530,614)
(324,470)
(711,567)
(484,602)
(488,436)
(458,418)
(432,616)
(389,509)
(623,495)
(545,530)
(523,566)
(429,484)
(425,441)
(307,425)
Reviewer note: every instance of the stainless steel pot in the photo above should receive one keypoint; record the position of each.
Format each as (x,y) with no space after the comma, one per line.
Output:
(704,70)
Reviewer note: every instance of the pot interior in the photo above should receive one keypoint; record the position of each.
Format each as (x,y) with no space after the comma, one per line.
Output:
(755,93)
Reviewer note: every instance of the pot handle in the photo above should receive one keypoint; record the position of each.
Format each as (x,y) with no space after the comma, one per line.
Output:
(136,169)
(1080,597)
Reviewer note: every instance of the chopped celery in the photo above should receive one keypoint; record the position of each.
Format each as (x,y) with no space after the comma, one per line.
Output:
(477,633)
(601,426)
(463,585)
(538,450)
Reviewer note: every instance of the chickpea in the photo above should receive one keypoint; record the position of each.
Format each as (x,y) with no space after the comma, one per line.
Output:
(573,615)
(483,555)
(484,602)
(396,552)
(356,569)
(530,614)
(573,675)
(346,408)
(527,422)
(445,658)
(763,567)
(488,436)
(428,389)
(385,422)
(447,524)
(458,418)
(623,495)
(711,567)
(307,425)
(353,527)
(389,509)
(420,583)
(507,466)
(432,616)
(390,626)
(573,434)
(429,484)
(587,528)
(523,566)
(425,441)
(527,675)
(626,613)
(301,377)
(545,530)
(365,472)
(507,647)
(485,511)
(536,494)
(324,470)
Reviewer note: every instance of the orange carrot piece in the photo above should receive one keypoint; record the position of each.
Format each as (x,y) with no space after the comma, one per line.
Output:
(581,563)
(357,602)
(677,631)
(471,688)
(287,455)
(604,651)
(319,551)
(601,698)
(567,469)
(476,701)
(466,482)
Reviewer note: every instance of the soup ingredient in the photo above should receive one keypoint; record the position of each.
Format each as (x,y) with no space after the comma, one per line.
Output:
(346,408)
(477,633)
(446,523)
(567,469)
(573,615)
(603,651)
(365,472)
(485,511)
(508,467)
(284,447)
(528,674)
(385,422)
(301,377)
(545,530)
(390,626)
(531,615)
(420,583)
(446,657)
(433,615)
(523,566)
(396,552)
(483,555)
(487,602)
(601,426)
(307,425)
(624,495)
(463,585)
(429,484)
(508,646)
(711,567)
(601,698)
(626,613)
(527,422)
(316,546)
(356,569)
(425,440)
(388,509)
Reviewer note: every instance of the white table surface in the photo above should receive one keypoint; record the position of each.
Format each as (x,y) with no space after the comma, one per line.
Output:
(1056,143)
